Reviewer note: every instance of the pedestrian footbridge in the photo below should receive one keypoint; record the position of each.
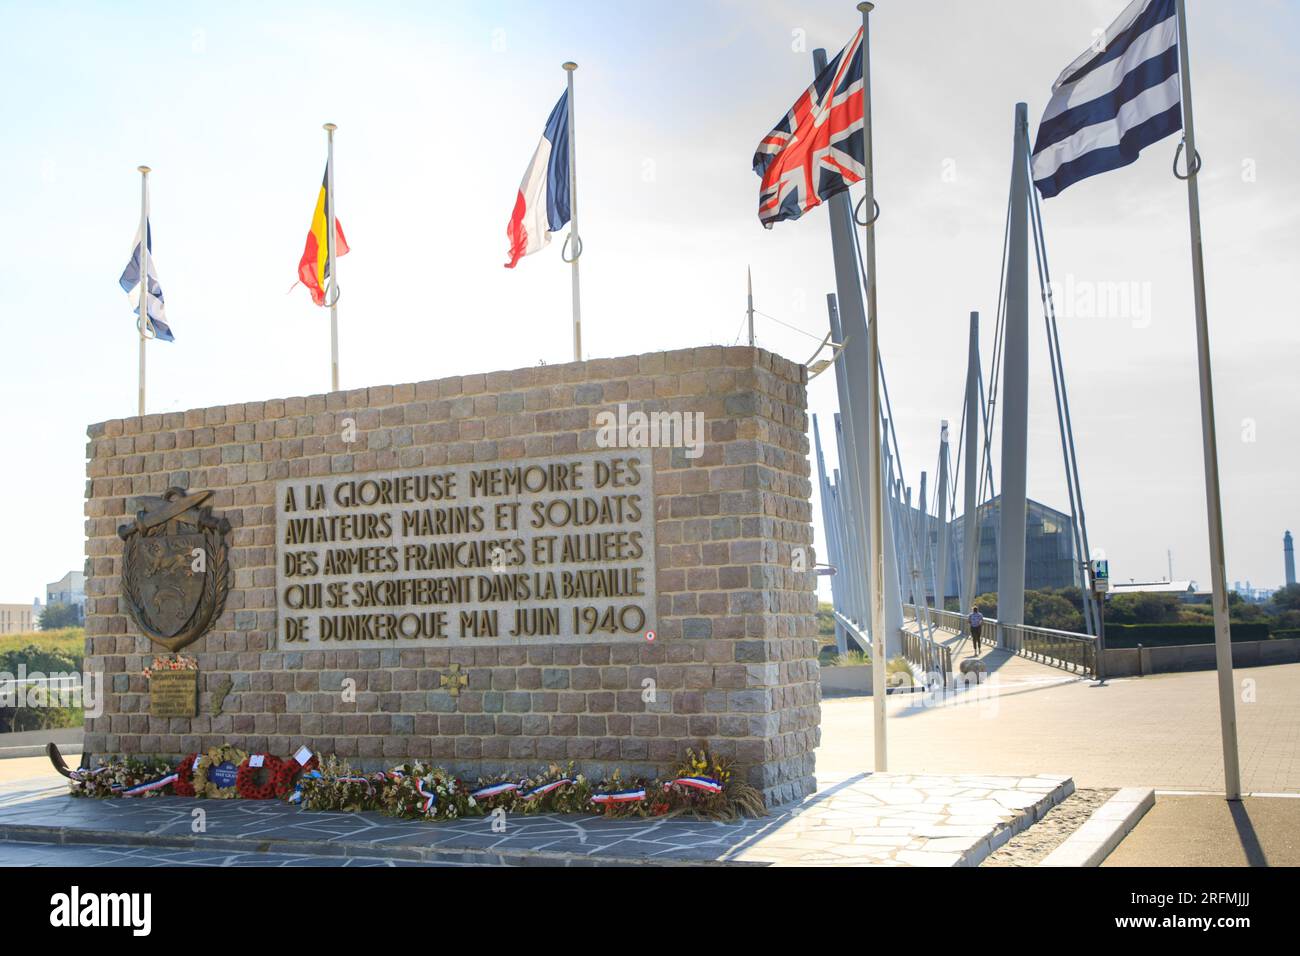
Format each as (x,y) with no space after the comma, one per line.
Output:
(938,642)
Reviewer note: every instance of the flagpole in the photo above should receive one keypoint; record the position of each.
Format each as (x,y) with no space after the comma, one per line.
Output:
(569,67)
(875,492)
(330,244)
(1222,629)
(143,324)
(749,273)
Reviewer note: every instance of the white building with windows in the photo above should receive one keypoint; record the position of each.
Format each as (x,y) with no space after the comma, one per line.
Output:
(69,589)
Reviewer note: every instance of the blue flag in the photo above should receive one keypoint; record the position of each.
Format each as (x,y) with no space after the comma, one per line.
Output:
(130,282)
(1113,101)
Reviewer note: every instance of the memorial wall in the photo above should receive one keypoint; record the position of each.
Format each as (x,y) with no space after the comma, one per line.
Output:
(601,562)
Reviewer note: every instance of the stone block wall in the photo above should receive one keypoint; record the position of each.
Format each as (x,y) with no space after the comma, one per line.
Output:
(734,659)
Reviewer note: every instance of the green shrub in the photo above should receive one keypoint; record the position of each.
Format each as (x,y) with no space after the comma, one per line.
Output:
(1174,635)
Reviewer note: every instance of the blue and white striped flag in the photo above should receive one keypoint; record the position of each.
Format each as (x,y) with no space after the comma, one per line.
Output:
(1113,101)
(130,282)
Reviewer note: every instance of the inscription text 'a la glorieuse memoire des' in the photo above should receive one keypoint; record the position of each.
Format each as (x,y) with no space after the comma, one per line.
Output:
(559,550)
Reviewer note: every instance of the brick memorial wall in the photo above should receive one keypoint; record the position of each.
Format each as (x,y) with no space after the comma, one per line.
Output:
(489,572)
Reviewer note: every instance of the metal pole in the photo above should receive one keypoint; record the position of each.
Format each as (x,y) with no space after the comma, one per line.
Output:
(846,528)
(573,221)
(1222,631)
(852,458)
(874,478)
(941,515)
(330,244)
(854,519)
(749,273)
(970,515)
(832,553)
(143,324)
(1015,388)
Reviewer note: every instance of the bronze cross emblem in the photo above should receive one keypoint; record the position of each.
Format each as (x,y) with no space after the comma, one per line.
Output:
(455,682)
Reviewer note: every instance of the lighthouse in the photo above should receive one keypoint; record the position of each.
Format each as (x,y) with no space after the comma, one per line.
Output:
(1288,552)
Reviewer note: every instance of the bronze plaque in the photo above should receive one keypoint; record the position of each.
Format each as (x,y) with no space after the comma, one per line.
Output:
(530,551)
(174,694)
(174,568)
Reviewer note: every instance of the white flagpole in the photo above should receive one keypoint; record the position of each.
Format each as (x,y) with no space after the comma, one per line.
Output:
(875,492)
(1222,630)
(143,324)
(749,274)
(333,291)
(573,221)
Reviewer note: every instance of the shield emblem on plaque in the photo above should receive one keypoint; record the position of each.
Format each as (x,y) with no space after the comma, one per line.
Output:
(174,569)
(170,588)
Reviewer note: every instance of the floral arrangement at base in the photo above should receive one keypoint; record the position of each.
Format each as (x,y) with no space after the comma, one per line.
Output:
(702,785)
(130,776)
(170,662)
(203,767)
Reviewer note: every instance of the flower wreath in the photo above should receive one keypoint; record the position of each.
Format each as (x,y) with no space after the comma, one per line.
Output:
(246,778)
(286,775)
(184,785)
(215,758)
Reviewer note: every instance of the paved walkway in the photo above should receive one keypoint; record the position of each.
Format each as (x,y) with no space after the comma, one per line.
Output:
(1209,831)
(863,820)
(1160,731)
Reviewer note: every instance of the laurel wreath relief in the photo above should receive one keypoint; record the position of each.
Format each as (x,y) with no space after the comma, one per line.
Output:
(211,602)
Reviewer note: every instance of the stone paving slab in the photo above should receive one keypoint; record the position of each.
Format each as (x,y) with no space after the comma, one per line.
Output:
(860,820)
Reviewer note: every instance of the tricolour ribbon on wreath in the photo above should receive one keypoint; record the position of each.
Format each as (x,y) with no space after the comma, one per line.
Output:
(707,784)
(544,789)
(495,790)
(620,796)
(430,800)
(143,788)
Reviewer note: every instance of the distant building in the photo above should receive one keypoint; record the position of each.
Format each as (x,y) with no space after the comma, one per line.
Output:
(1288,554)
(1049,548)
(16,619)
(69,589)
(1184,589)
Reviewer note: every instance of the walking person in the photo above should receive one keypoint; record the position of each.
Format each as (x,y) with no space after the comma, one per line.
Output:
(976,620)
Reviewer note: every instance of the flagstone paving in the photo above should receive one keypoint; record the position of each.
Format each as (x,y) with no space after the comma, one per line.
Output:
(860,820)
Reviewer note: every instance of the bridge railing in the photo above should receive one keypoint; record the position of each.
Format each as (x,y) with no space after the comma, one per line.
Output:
(927,655)
(1076,653)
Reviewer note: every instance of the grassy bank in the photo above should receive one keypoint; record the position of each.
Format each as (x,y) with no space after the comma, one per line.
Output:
(70,641)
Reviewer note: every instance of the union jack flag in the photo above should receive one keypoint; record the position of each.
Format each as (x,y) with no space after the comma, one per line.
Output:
(815,152)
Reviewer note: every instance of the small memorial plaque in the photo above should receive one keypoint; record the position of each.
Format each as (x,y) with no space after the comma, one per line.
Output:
(224,775)
(174,694)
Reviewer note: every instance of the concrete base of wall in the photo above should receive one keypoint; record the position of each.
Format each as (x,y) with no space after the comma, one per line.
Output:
(1138,662)
(846,681)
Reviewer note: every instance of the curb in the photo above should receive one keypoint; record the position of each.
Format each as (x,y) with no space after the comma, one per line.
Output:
(35,750)
(1094,841)
(999,837)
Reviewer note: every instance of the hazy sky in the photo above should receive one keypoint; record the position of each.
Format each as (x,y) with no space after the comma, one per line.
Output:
(439,108)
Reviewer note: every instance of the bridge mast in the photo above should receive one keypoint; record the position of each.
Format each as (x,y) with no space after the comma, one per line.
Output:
(1015,388)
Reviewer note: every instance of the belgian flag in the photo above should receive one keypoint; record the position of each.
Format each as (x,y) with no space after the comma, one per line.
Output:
(314,269)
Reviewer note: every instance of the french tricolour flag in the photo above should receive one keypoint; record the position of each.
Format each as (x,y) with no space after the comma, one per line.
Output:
(1113,101)
(542,206)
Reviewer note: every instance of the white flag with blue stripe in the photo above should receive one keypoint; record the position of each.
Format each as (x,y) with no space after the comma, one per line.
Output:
(130,282)
(1113,101)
